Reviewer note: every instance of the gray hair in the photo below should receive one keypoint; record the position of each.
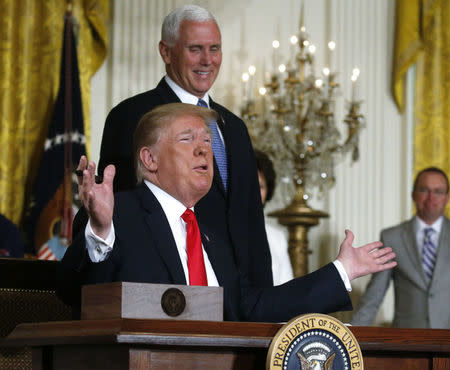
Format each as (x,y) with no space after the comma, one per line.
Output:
(170,30)
(153,124)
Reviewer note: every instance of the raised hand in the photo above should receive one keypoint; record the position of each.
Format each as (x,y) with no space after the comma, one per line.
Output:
(364,260)
(98,199)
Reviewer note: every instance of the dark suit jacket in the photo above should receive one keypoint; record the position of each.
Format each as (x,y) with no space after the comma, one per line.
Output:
(236,216)
(145,251)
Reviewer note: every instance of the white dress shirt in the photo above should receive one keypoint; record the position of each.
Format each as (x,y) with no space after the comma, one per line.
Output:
(99,249)
(420,226)
(183,95)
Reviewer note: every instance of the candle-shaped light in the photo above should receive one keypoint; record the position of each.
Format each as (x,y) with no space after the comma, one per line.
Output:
(294,41)
(301,20)
(275,45)
(331,47)
(262,92)
(326,74)
(245,78)
(303,35)
(312,51)
(306,45)
(355,87)
(251,73)
(281,69)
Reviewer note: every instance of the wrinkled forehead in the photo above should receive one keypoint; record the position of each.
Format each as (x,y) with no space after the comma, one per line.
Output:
(204,32)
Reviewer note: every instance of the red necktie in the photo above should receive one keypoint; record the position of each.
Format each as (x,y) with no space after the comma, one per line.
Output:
(196,264)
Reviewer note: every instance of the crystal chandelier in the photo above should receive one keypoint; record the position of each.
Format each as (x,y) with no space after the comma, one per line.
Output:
(296,126)
(298,130)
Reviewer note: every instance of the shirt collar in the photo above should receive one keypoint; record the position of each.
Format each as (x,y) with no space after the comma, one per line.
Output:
(436,226)
(172,207)
(183,95)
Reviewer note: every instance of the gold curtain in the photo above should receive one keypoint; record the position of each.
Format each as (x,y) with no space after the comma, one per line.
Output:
(30,52)
(423,38)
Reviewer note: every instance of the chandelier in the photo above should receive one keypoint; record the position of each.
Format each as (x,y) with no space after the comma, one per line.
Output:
(296,126)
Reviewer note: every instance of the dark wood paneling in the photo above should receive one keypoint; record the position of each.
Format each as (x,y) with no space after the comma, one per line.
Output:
(388,362)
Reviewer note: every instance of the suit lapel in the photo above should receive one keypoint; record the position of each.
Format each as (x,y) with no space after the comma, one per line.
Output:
(228,148)
(166,93)
(409,240)
(443,254)
(161,234)
(217,179)
(213,255)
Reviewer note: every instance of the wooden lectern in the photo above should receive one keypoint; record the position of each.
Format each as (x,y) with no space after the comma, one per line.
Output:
(174,344)
(121,342)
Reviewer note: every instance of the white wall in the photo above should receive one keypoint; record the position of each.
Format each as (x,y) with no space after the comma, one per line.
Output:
(370,194)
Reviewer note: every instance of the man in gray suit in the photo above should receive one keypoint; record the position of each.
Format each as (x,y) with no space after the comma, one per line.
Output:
(422,276)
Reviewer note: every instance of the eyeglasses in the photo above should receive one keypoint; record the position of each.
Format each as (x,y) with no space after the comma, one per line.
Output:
(427,191)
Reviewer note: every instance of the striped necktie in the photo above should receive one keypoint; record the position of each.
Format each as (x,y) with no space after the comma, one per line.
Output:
(429,253)
(218,148)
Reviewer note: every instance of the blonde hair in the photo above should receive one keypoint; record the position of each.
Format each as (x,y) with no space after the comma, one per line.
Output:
(152,125)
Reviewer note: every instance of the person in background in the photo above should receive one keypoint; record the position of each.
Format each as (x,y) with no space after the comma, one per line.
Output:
(422,276)
(191,48)
(11,244)
(281,263)
(151,235)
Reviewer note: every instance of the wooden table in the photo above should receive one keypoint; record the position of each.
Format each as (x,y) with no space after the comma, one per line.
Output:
(172,344)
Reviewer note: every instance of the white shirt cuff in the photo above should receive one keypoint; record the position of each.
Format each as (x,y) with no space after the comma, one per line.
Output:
(343,275)
(98,248)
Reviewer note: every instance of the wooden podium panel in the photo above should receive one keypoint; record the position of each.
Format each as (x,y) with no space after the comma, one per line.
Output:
(397,348)
(122,300)
(172,344)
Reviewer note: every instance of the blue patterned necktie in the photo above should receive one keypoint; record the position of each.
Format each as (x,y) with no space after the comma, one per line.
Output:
(218,148)
(429,253)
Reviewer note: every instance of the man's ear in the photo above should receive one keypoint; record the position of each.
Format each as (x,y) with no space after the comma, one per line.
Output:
(149,158)
(164,50)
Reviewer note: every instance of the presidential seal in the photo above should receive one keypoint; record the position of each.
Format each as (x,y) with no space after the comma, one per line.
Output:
(314,342)
(173,302)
